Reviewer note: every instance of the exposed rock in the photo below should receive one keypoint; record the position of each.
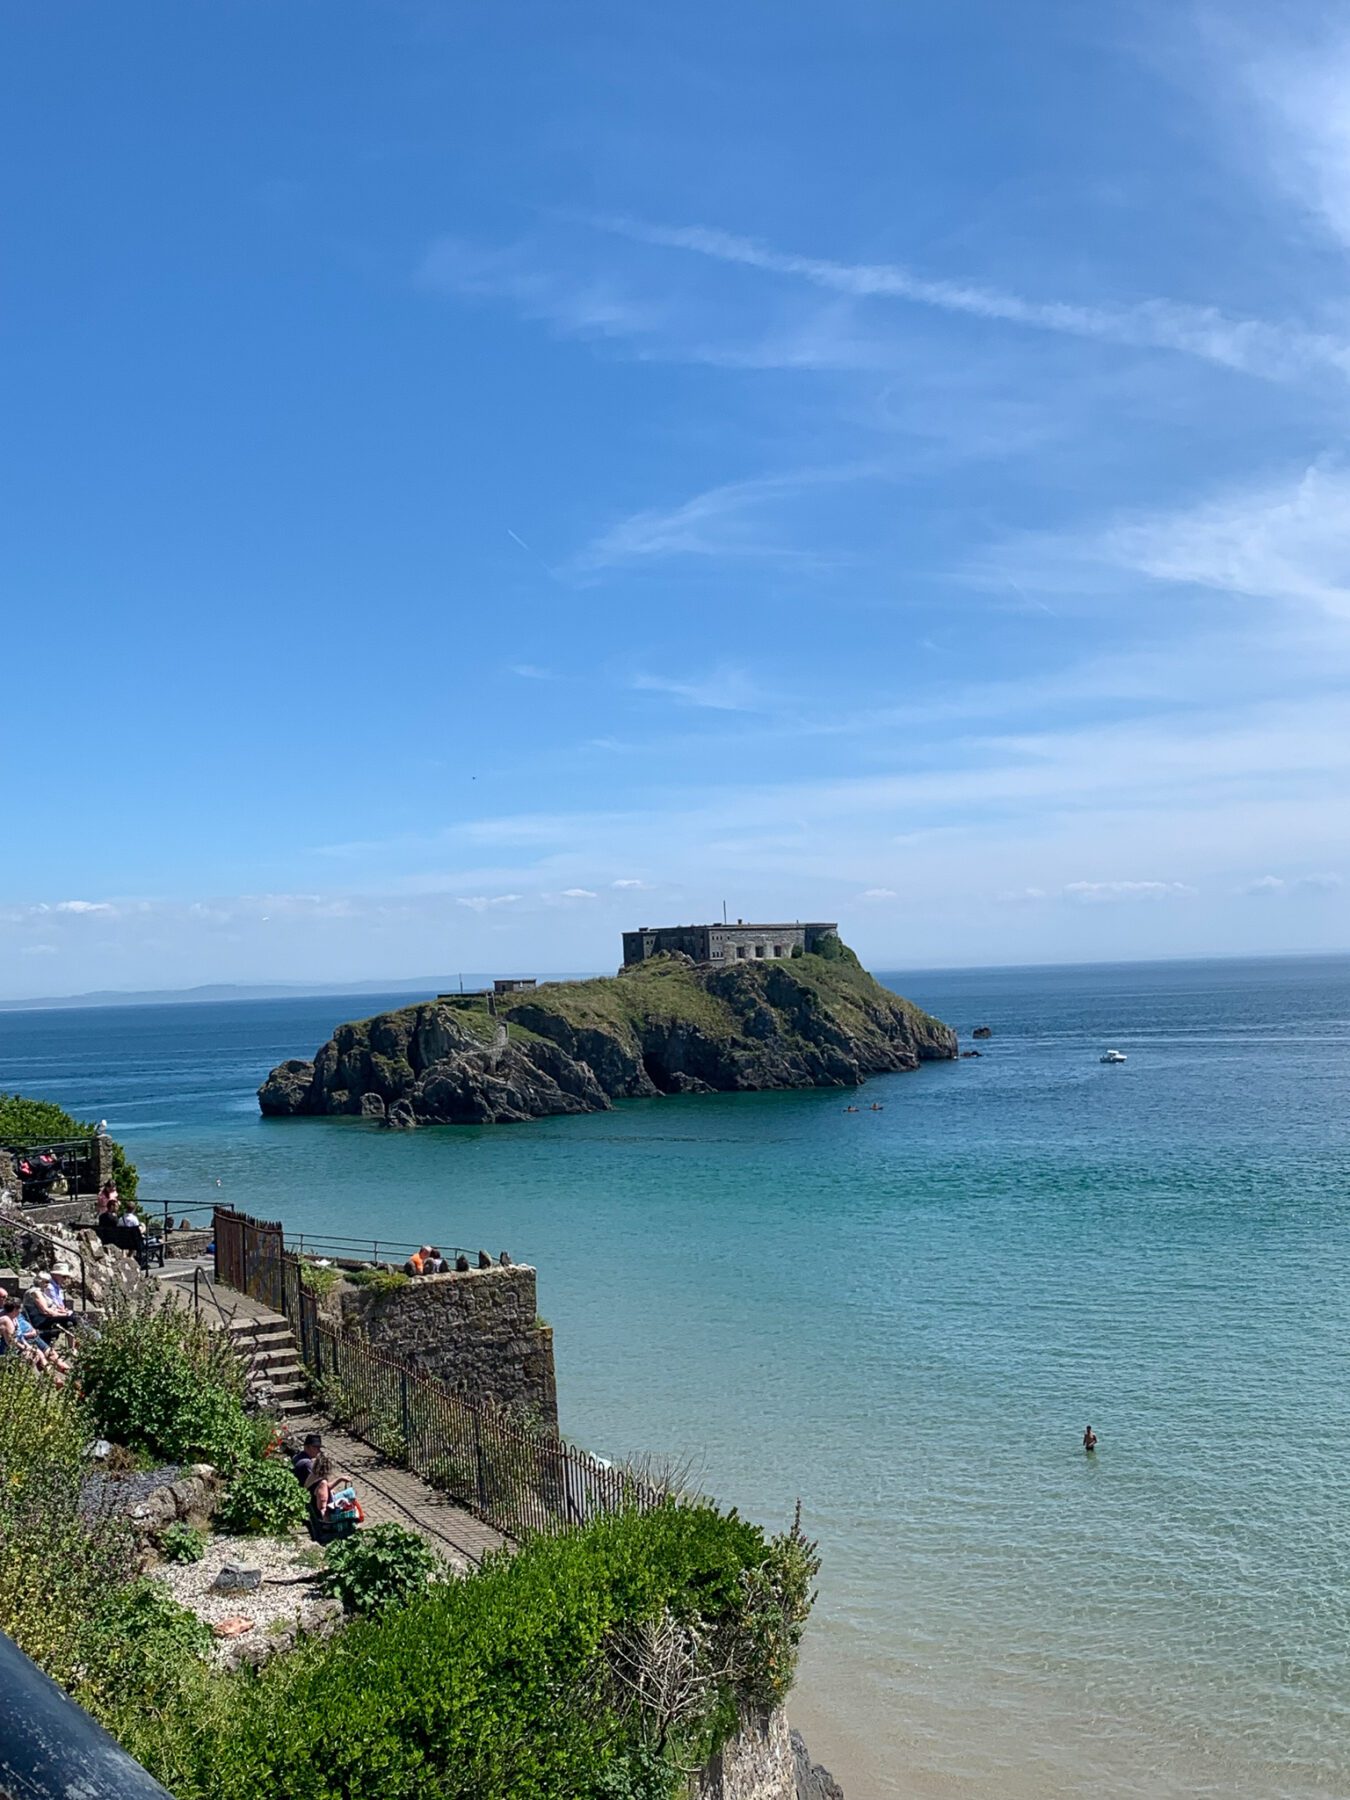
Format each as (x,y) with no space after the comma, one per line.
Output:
(982,1031)
(233,1578)
(667,1026)
(813,1782)
(288,1087)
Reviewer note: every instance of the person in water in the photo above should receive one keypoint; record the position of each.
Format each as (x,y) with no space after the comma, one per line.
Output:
(850,1109)
(1089,1439)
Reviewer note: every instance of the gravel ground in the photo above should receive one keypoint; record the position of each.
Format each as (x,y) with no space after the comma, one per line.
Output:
(278,1558)
(102,1492)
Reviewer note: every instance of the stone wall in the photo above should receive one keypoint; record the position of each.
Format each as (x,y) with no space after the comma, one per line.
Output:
(107,1271)
(478,1332)
(765,1760)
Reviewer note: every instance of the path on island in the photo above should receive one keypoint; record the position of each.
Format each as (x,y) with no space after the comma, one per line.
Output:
(387,1493)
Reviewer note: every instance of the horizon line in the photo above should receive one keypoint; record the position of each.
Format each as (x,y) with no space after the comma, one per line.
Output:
(96,998)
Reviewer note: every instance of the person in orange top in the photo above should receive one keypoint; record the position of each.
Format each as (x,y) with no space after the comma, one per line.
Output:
(417,1260)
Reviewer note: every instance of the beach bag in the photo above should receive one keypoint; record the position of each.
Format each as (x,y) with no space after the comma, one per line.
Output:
(344,1507)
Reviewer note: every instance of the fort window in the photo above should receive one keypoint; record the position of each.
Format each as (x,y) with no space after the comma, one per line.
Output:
(740,949)
(759,949)
(778,950)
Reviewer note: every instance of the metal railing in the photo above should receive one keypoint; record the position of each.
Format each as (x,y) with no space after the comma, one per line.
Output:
(525,1483)
(72,1157)
(520,1480)
(14,1232)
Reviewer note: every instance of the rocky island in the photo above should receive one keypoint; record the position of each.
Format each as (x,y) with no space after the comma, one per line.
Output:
(666,1025)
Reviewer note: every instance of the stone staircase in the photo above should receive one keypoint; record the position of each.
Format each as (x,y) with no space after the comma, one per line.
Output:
(266,1346)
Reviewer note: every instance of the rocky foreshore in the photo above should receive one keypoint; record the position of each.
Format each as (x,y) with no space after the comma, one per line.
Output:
(668,1026)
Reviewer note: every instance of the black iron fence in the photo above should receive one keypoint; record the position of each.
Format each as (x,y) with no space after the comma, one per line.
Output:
(485,1458)
(54,1169)
(522,1481)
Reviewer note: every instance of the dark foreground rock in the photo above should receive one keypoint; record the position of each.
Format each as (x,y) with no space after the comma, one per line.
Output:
(668,1026)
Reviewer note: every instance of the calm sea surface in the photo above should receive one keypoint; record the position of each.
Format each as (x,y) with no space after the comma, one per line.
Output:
(907,1318)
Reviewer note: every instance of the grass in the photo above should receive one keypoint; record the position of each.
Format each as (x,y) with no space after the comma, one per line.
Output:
(660,989)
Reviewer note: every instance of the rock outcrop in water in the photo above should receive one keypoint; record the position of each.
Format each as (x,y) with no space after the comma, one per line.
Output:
(667,1026)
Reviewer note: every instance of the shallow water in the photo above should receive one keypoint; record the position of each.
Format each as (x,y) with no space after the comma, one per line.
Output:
(907,1318)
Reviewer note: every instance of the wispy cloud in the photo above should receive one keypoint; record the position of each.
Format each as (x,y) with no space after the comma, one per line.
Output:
(1286,540)
(481,903)
(1252,346)
(1094,892)
(532,672)
(579,894)
(1268,885)
(594,307)
(739,519)
(1299,85)
(629,882)
(723,689)
(879,894)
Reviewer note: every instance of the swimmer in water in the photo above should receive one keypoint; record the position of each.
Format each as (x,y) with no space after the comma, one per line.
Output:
(850,1109)
(877,1108)
(1089,1440)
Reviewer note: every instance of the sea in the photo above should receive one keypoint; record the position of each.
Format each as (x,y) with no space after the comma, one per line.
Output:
(905,1319)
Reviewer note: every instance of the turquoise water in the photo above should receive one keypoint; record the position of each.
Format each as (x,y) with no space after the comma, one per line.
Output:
(906,1318)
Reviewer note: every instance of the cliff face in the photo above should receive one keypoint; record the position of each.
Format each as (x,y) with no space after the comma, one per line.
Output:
(668,1026)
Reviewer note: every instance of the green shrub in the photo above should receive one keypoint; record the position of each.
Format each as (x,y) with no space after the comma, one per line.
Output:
(379,1281)
(380,1567)
(58,1562)
(29,1122)
(263,1500)
(157,1380)
(182,1544)
(319,1281)
(523,1682)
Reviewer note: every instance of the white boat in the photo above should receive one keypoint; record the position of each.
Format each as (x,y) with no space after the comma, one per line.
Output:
(1113,1056)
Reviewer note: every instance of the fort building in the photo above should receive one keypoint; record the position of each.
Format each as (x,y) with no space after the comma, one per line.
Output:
(724,943)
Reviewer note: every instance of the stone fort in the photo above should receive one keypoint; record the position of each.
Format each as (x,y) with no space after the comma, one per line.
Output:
(724,943)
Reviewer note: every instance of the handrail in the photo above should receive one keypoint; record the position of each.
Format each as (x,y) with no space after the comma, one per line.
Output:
(19,1226)
(198,1276)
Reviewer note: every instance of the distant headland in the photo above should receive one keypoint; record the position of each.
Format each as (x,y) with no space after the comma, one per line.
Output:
(694,1010)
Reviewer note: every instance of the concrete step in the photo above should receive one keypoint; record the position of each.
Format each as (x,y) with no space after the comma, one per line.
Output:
(281,1374)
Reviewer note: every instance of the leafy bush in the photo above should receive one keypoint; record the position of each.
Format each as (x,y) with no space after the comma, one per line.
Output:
(532,1679)
(380,1567)
(27,1122)
(182,1544)
(317,1280)
(63,1550)
(156,1379)
(379,1281)
(263,1500)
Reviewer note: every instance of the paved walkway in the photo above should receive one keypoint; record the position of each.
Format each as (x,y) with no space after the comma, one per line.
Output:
(387,1493)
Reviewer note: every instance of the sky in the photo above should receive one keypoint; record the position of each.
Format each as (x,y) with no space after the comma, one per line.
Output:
(477,477)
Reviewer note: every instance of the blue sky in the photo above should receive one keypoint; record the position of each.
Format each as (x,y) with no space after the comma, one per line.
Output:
(478,477)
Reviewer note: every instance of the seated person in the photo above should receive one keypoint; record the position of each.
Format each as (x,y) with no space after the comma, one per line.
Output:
(44,1313)
(417,1262)
(333,1507)
(435,1264)
(108,1201)
(303,1464)
(20,1338)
